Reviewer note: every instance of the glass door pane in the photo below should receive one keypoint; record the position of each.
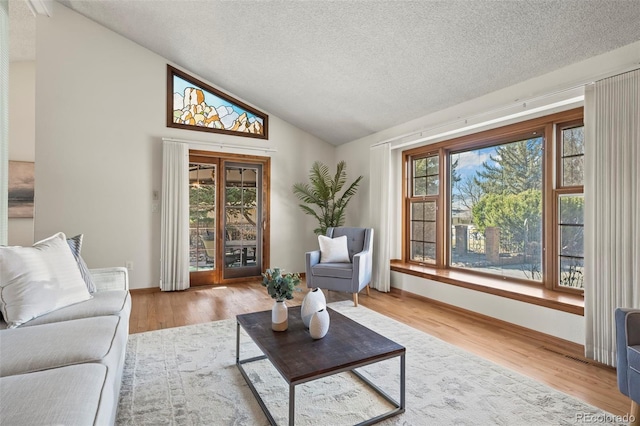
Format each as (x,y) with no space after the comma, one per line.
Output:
(243,220)
(202,217)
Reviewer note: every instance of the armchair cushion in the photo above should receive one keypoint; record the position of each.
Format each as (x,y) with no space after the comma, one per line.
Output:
(355,239)
(333,250)
(337,270)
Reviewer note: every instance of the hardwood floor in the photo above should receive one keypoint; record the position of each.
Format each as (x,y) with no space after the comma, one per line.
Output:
(556,363)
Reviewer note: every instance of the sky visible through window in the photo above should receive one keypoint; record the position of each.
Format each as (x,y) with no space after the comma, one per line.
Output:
(469,163)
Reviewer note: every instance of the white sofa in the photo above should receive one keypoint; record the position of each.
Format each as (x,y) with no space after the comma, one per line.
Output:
(65,367)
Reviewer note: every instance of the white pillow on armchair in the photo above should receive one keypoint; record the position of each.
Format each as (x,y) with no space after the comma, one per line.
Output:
(333,250)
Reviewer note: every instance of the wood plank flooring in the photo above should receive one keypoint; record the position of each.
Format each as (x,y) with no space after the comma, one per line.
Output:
(556,363)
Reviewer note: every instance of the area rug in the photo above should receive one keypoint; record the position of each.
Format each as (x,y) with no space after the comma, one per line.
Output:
(187,376)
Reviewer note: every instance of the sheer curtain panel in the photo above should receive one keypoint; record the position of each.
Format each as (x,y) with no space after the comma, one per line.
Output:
(612,197)
(379,199)
(174,233)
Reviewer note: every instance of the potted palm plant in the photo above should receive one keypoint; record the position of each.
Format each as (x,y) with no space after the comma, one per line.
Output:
(321,196)
(280,287)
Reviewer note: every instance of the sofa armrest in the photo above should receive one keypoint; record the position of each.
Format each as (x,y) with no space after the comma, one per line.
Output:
(115,278)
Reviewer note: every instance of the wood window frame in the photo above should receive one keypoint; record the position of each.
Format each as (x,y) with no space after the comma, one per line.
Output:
(172,71)
(410,198)
(559,190)
(547,125)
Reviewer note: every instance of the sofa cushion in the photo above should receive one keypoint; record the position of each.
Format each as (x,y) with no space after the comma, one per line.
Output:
(103,303)
(75,244)
(41,347)
(336,270)
(39,279)
(62,396)
(113,302)
(333,250)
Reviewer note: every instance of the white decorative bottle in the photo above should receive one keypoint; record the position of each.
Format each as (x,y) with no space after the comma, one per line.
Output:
(279,316)
(312,303)
(319,324)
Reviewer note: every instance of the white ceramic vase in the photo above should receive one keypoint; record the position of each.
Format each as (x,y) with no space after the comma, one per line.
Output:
(279,316)
(319,324)
(312,303)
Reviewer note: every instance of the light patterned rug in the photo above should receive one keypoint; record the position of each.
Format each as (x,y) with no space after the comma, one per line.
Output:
(187,376)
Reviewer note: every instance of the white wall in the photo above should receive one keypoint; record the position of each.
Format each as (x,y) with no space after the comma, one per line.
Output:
(491,106)
(100,117)
(22,135)
(545,320)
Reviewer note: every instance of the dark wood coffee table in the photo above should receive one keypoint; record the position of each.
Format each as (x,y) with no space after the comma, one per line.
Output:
(299,358)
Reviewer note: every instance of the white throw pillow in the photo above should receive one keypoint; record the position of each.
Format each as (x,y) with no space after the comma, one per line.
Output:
(38,280)
(333,250)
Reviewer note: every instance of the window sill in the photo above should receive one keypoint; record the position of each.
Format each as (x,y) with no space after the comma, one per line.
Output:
(528,293)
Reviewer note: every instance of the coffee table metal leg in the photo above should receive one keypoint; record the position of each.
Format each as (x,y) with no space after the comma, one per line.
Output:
(253,389)
(402,382)
(237,342)
(399,407)
(292,404)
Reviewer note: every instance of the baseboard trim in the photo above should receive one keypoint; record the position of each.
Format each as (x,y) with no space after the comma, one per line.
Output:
(144,290)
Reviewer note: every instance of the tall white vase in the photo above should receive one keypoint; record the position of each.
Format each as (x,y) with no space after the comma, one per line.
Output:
(312,303)
(279,316)
(319,324)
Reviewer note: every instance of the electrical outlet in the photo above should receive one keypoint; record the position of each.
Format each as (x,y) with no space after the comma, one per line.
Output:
(129,265)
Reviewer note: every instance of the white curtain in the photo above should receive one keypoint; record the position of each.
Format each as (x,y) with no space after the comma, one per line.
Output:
(174,233)
(612,216)
(379,205)
(4,120)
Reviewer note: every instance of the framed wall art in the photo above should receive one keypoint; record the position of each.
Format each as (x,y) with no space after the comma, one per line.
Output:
(194,105)
(21,189)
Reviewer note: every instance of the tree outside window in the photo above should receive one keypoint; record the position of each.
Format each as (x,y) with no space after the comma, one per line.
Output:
(499,190)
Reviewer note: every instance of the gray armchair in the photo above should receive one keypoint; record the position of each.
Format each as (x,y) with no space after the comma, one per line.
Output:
(347,277)
(628,353)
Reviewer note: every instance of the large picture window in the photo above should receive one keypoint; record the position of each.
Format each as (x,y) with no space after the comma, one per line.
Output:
(505,203)
(496,209)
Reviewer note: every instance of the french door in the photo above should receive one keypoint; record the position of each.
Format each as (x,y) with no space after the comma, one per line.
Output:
(228,218)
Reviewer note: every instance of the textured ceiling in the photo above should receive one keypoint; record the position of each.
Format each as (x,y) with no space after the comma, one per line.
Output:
(22,32)
(342,70)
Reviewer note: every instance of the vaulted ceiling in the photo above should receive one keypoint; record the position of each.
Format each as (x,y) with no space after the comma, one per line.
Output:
(342,70)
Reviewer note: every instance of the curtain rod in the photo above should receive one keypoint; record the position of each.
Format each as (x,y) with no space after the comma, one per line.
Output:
(222,145)
(465,121)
